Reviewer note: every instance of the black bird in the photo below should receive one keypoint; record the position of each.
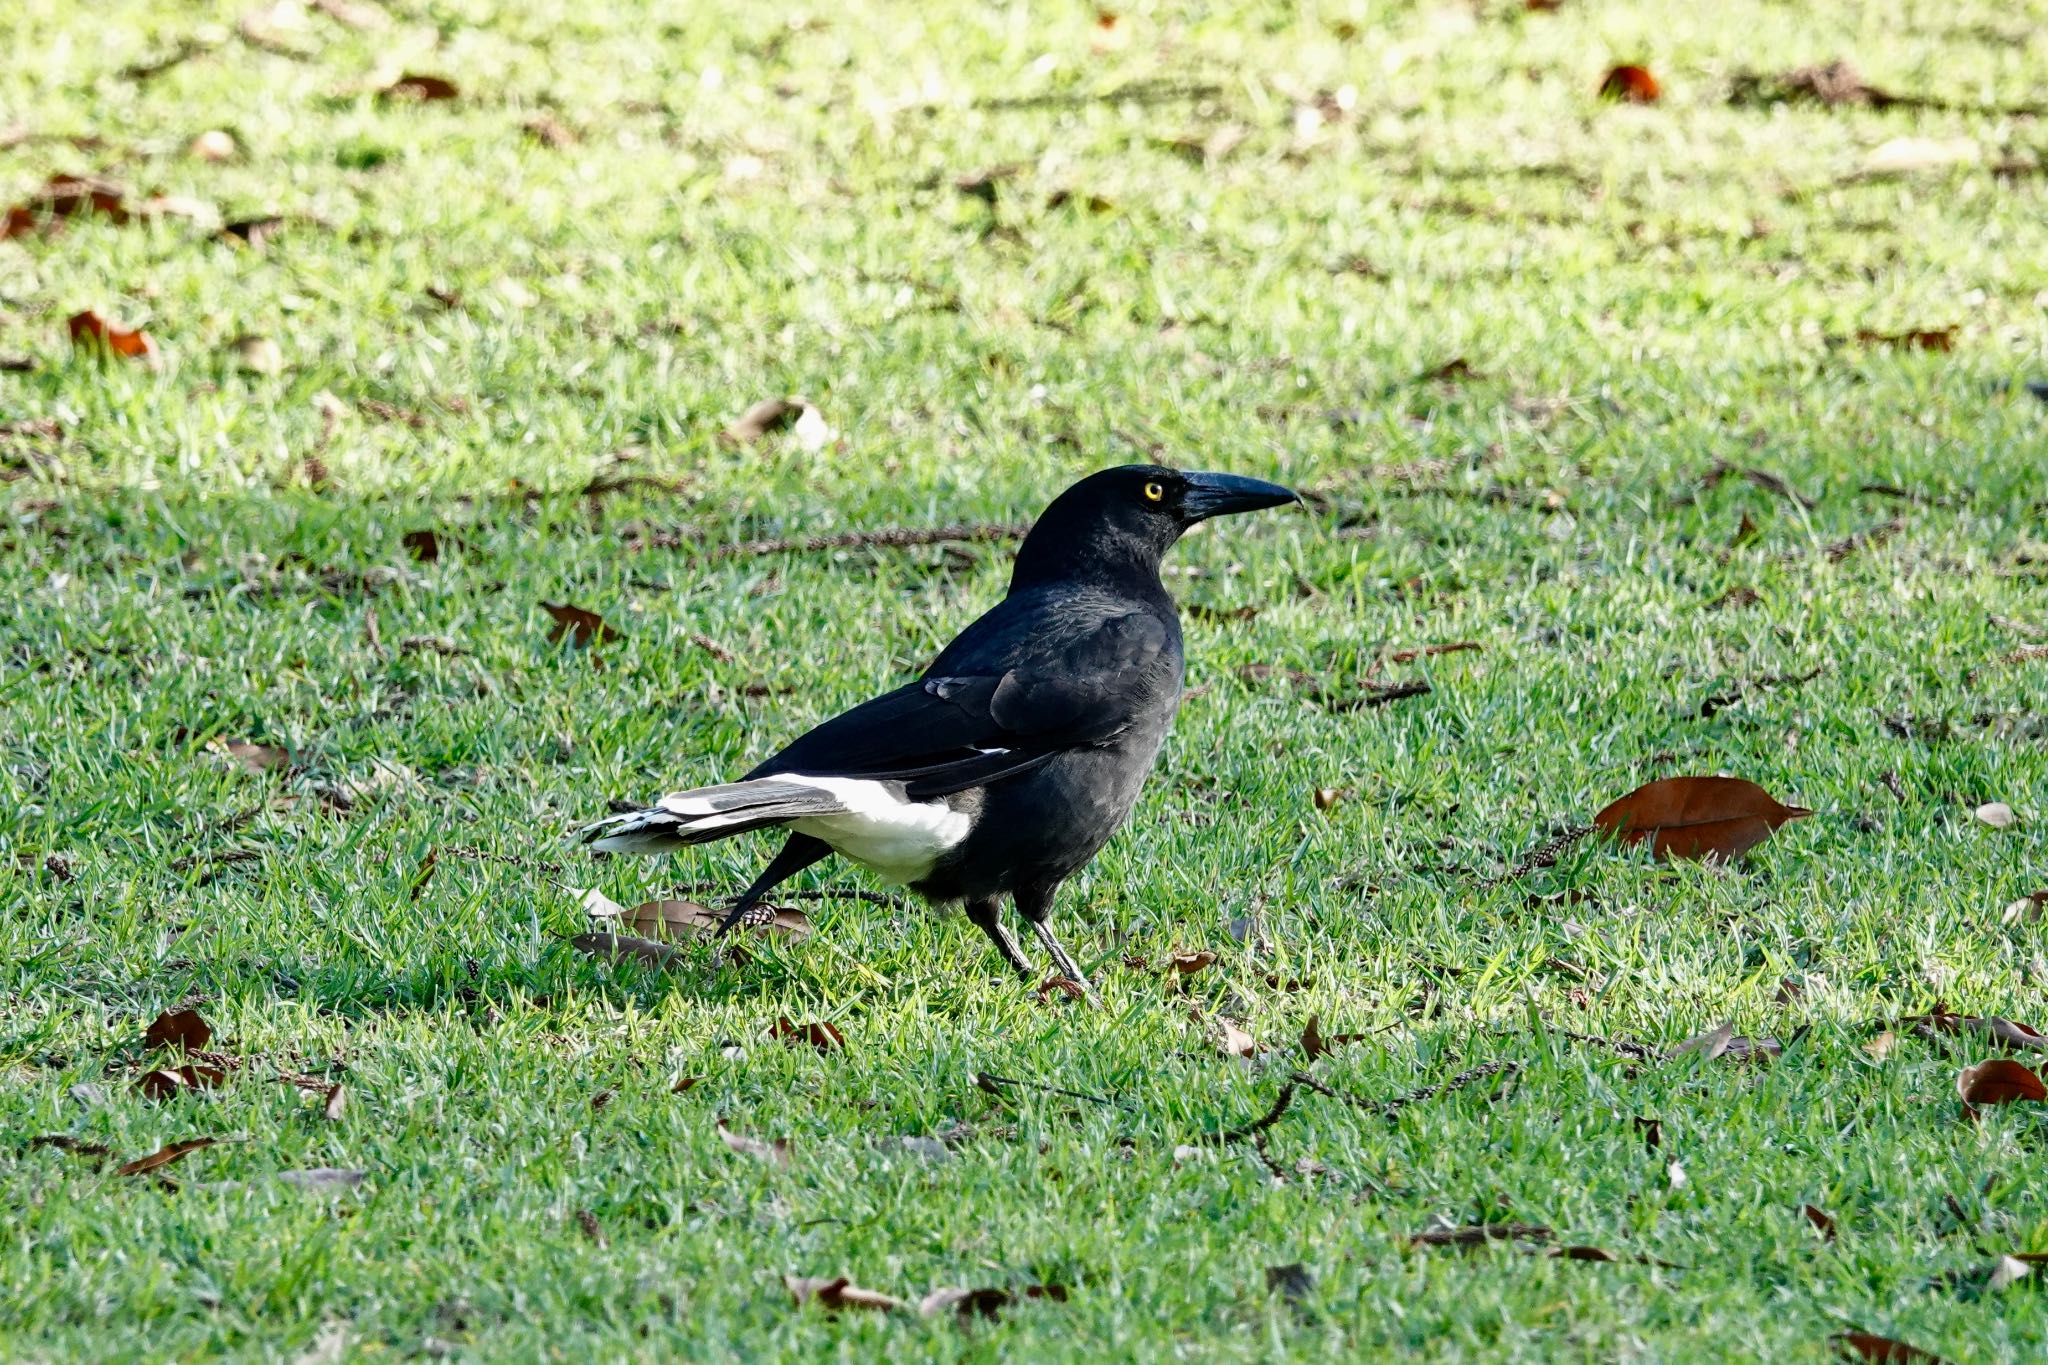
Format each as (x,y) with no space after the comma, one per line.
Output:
(1013,759)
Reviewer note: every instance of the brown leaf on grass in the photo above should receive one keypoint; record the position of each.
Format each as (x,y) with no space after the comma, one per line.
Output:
(587,1221)
(1709,1045)
(337,1100)
(580,626)
(775,1152)
(643,950)
(1872,1347)
(2026,910)
(1479,1234)
(1996,814)
(1823,1222)
(1921,339)
(253,233)
(1315,1044)
(65,197)
(254,759)
(768,415)
(1186,963)
(1233,1041)
(420,88)
(1630,85)
(1720,818)
(92,333)
(164,1156)
(835,1294)
(1061,986)
(669,920)
(425,545)
(1837,83)
(965,1303)
(1880,1047)
(684,1084)
(1293,1283)
(1998,1081)
(164,1082)
(182,1029)
(825,1037)
(2007,1031)
(1328,798)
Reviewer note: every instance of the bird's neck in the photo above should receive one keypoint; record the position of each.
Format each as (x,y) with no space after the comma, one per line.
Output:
(1100,556)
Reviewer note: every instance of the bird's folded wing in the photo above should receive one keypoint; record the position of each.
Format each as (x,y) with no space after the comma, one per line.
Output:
(961,729)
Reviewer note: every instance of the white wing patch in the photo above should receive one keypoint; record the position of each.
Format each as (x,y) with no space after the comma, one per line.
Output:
(898,839)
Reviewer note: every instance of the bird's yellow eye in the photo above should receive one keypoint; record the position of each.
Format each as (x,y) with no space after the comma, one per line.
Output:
(1155,491)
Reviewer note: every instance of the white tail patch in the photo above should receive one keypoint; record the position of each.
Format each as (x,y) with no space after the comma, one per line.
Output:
(877,826)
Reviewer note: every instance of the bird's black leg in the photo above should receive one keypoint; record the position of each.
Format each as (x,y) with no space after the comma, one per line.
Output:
(984,916)
(799,853)
(1036,905)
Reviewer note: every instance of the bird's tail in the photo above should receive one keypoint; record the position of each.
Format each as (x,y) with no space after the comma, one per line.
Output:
(704,814)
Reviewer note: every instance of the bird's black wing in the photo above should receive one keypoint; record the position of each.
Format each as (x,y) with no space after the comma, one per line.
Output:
(963,727)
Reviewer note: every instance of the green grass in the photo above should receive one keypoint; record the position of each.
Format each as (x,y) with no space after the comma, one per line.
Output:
(756,207)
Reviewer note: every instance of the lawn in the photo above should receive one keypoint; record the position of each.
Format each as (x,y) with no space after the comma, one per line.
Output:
(1703,421)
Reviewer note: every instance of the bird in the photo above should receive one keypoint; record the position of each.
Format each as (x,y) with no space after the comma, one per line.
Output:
(1002,769)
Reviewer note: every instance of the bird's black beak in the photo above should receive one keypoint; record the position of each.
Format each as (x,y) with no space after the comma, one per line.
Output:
(1218,495)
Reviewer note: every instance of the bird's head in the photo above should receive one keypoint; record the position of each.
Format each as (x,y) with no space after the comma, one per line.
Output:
(1129,516)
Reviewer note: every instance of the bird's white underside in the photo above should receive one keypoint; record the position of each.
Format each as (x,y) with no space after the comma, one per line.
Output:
(899,840)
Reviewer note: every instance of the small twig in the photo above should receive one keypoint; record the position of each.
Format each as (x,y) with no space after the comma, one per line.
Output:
(1259,1125)
(993,1084)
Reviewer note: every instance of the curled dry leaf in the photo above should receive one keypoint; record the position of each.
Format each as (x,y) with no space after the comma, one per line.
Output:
(255,759)
(420,88)
(1823,1222)
(1314,1043)
(1870,1346)
(775,1153)
(65,196)
(1188,963)
(1996,814)
(1999,1081)
(1630,85)
(93,333)
(337,1100)
(164,1156)
(579,626)
(670,920)
(2007,1031)
(1327,798)
(164,1082)
(825,1037)
(1234,1041)
(835,1294)
(180,1029)
(1720,818)
(1923,339)
(684,1084)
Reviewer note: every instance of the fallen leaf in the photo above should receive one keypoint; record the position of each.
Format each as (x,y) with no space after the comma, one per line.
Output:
(1314,1044)
(776,1152)
(1409,656)
(182,1029)
(91,332)
(336,1101)
(580,627)
(685,1083)
(1932,339)
(164,1156)
(1479,1234)
(1870,1346)
(164,1082)
(965,1303)
(425,545)
(322,1178)
(1996,814)
(1293,1283)
(215,144)
(613,946)
(1881,1046)
(1823,1222)
(839,1293)
(768,415)
(1903,154)
(1697,817)
(2027,909)
(1234,1041)
(64,197)
(1188,963)
(1327,798)
(255,759)
(421,88)
(1630,84)
(1710,1044)
(1999,1081)
(2009,1271)
(1063,986)
(669,920)
(253,233)
(2007,1031)
(825,1037)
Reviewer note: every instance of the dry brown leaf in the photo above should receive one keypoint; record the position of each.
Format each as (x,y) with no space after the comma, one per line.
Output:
(1926,339)
(1996,814)
(420,88)
(775,1152)
(670,920)
(964,1303)
(1328,798)
(549,132)
(1697,817)
(1881,1046)
(65,196)
(825,1037)
(579,626)
(684,1084)
(1823,1221)
(644,950)
(1234,1041)
(182,1029)
(1188,963)
(1999,1081)
(255,759)
(1063,986)
(2026,909)
(835,1294)
(1314,1044)
(1631,85)
(253,233)
(1870,1346)
(164,1156)
(336,1101)
(2007,1031)
(91,332)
